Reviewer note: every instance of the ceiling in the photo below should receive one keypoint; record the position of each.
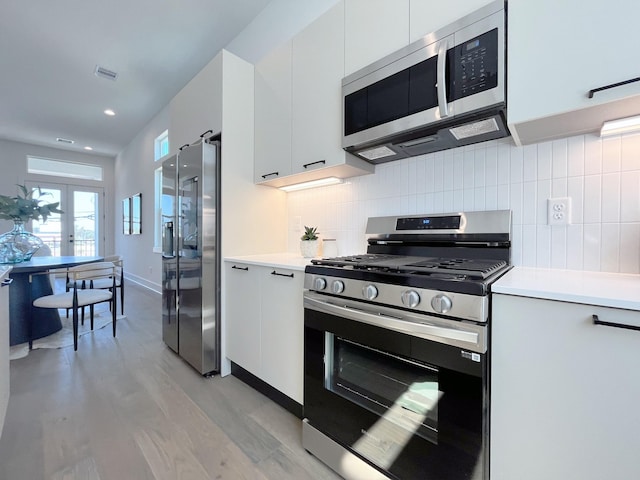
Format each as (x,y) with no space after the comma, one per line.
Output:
(50,50)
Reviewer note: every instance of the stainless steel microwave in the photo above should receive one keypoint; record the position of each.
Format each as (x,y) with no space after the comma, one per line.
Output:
(445,90)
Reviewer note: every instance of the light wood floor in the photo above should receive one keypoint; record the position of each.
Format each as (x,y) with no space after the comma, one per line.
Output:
(129,408)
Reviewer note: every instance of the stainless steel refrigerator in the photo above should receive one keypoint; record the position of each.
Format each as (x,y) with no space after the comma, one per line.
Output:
(191,255)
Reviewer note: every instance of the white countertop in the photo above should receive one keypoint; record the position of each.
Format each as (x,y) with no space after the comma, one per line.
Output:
(617,290)
(291,261)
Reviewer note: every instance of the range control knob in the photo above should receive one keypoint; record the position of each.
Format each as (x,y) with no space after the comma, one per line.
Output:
(410,298)
(337,286)
(441,303)
(370,292)
(319,284)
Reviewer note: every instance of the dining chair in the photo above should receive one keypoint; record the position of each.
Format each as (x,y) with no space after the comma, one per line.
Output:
(105,283)
(81,294)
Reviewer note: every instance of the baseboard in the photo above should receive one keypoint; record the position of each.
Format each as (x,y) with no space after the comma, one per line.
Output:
(143,282)
(267,390)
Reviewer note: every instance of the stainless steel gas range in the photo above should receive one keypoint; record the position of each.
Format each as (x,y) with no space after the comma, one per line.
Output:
(397,348)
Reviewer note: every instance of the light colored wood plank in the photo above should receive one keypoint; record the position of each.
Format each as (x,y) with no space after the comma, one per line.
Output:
(129,408)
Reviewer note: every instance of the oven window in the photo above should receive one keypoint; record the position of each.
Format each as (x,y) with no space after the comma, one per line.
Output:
(405,393)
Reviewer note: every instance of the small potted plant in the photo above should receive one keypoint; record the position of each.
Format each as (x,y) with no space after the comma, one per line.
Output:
(309,242)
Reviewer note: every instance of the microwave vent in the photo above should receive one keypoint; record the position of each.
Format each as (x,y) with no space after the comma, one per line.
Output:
(474,129)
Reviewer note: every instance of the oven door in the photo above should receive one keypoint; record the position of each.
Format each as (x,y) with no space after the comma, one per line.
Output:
(404,392)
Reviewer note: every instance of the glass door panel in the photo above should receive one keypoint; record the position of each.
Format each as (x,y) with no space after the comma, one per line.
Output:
(51,232)
(84,240)
(78,231)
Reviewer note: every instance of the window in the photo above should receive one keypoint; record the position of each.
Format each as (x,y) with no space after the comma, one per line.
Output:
(62,168)
(157,231)
(160,150)
(161,145)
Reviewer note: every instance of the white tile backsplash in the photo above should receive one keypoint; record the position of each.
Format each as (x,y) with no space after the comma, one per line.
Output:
(602,177)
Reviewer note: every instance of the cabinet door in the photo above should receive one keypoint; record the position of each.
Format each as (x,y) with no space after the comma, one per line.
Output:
(282,330)
(4,350)
(273,115)
(557,52)
(318,68)
(243,315)
(197,107)
(373,29)
(564,392)
(426,17)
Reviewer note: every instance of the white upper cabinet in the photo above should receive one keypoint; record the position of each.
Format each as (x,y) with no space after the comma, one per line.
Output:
(298,112)
(373,29)
(558,52)
(426,17)
(318,68)
(197,107)
(273,115)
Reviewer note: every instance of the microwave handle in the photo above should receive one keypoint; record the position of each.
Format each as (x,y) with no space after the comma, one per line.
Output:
(441,78)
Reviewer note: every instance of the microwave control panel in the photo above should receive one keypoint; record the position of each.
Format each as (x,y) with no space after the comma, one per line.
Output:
(475,65)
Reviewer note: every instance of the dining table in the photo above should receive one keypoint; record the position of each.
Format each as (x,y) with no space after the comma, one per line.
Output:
(26,321)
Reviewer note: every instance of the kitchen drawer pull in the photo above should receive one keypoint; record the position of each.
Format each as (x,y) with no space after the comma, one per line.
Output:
(290,275)
(208,131)
(314,163)
(183,146)
(246,269)
(269,174)
(613,85)
(597,321)
(6,282)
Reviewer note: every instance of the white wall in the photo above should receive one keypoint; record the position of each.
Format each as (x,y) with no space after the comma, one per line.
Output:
(602,177)
(13,162)
(134,169)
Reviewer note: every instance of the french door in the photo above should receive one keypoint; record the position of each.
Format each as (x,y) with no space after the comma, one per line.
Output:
(77,231)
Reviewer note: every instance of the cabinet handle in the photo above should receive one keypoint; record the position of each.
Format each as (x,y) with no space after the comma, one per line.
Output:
(208,131)
(290,275)
(597,321)
(441,68)
(269,174)
(246,269)
(314,163)
(613,85)
(183,146)
(6,282)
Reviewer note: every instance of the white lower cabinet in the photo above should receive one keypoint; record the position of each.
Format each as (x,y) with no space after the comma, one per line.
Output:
(4,344)
(265,324)
(564,391)
(243,315)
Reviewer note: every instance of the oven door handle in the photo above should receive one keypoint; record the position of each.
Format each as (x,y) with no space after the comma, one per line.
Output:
(408,324)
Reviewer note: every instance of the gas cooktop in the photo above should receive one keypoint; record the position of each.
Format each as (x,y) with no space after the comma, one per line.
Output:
(412,265)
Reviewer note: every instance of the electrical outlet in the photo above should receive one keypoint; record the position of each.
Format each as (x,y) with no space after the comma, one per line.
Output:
(559,211)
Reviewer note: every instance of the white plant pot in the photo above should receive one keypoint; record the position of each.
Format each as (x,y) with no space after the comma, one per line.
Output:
(309,248)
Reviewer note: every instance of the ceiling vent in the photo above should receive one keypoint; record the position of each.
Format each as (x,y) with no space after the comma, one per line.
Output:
(65,140)
(105,73)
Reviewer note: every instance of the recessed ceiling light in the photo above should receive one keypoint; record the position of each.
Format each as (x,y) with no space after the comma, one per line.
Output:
(88,148)
(109,112)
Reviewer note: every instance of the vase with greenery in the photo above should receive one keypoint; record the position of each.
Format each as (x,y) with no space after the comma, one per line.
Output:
(18,245)
(309,242)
